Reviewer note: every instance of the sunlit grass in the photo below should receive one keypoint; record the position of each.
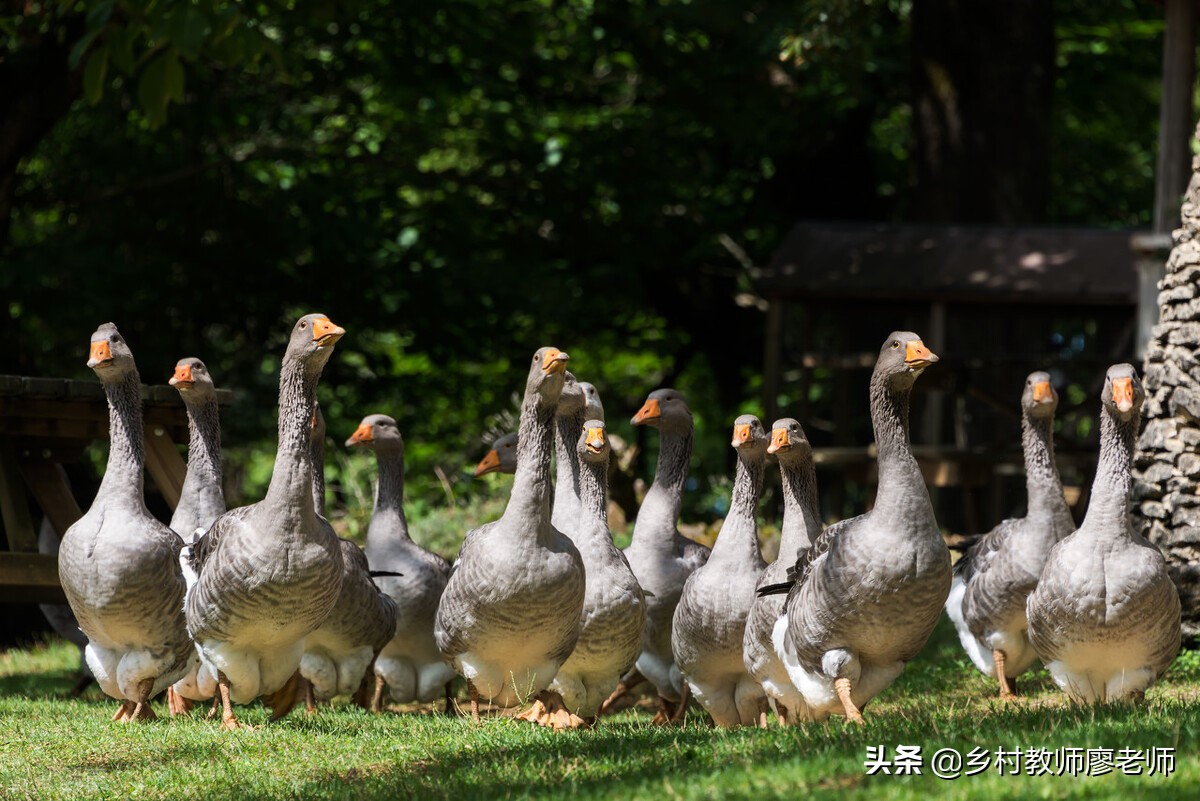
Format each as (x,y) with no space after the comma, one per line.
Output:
(54,747)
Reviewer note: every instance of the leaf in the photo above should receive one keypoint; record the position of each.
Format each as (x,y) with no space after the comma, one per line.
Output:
(161,82)
(188,29)
(94,74)
(120,41)
(97,15)
(81,47)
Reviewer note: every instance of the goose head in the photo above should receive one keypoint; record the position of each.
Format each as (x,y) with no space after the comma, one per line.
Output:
(377,432)
(788,440)
(502,458)
(193,381)
(593,442)
(665,409)
(572,399)
(110,357)
(1123,392)
(749,436)
(312,340)
(547,374)
(1039,398)
(593,408)
(903,358)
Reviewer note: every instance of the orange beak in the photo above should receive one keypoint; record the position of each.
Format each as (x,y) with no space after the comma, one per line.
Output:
(1123,393)
(554,361)
(488,464)
(183,375)
(595,440)
(1042,392)
(917,356)
(364,433)
(101,354)
(325,332)
(779,441)
(649,411)
(741,434)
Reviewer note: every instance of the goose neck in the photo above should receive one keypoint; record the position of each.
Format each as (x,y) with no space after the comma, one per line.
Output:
(292,478)
(593,491)
(900,482)
(567,428)
(739,532)
(659,513)
(530,498)
(1108,509)
(126,454)
(801,515)
(389,491)
(1042,483)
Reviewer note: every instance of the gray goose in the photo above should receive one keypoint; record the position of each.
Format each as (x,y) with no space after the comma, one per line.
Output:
(710,620)
(1104,616)
(865,598)
(661,557)
(509,616)
(994,577)
(568,422)
(270,572)
(801,526)
(500,458)
(410,665)
(614,609)
(339,654)
(118,565)
(201,501)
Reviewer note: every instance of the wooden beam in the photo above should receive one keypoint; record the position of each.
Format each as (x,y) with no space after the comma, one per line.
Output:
(165,465)
(30,578)
(48,483)
(14,509)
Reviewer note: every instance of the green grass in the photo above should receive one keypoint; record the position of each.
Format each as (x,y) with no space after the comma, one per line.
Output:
(53,747)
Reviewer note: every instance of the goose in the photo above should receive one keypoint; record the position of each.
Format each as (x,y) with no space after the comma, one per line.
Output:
(994,577)
(614,609)
(661,558)
(338,655)
(863,600)
(710,620)
(1104,617)
(568,422)
(118,565)
(801,526)
(500,458)
(410,665)
(509,616)
(270,572)
(201,501)
(593,408)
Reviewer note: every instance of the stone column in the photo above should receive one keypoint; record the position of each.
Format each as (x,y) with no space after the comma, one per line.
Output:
(1167,468)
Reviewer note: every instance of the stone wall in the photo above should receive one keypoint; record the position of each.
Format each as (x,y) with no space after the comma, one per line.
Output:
(1167,469)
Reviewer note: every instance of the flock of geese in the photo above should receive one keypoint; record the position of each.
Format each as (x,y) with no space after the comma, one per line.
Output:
(540,608)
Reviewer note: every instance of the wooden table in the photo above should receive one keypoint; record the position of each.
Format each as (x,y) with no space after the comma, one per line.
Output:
(45,423)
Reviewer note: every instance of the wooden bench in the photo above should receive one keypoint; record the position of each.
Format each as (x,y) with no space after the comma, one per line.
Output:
(48,422)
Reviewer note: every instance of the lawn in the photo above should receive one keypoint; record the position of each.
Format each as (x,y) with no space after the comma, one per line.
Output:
(55,747)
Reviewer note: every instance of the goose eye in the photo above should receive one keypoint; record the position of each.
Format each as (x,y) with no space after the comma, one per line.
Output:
(303,324)
(895,344)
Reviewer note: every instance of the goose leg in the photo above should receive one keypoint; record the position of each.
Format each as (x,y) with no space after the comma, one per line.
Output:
(1006,692)
(216,707)
(177,704)
(310,702)
(228,721)
(282,700)
(142,710)
(685,695)
(377,698)
(842,687)
(449,698)
(664,714)
(123,712)
(474,703)
(763,708)
(781,712)
(628,681)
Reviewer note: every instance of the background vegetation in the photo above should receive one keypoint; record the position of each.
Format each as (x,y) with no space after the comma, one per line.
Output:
(458,183)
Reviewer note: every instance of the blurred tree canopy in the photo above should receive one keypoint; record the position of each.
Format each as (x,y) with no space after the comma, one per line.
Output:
(458,183)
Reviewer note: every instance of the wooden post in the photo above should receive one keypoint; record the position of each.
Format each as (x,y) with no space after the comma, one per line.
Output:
(771,357)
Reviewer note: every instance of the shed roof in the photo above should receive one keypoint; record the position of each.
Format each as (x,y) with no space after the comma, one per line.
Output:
(984,264)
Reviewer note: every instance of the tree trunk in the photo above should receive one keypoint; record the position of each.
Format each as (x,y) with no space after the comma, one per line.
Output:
(983,75)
